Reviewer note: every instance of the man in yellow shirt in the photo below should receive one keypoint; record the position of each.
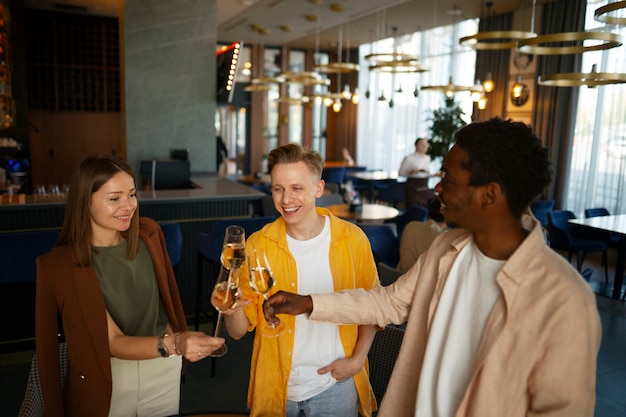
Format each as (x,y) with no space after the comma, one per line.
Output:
(312,369)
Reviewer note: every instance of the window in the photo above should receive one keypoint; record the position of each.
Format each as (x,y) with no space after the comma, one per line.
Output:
(397,112)
(598,162)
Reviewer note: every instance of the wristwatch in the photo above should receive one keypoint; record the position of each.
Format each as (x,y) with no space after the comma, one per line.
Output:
(161,348)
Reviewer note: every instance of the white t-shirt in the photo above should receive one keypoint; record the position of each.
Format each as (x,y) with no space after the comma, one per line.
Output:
(316,344)
(415,161)
(467,299)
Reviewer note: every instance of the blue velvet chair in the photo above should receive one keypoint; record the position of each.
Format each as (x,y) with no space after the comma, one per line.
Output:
(18,272)
(391,192)
(384,243)
(334,175)
(561,237)
(413,213)
(540,209)
(173,241)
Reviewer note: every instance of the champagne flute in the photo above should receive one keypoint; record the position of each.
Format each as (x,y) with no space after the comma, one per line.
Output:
(224,297)
(261,281)
(233,250)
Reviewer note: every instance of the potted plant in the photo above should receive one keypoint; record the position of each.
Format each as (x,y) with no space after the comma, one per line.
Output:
(446,121)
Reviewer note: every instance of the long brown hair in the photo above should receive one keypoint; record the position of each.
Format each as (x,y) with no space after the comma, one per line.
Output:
(88,176)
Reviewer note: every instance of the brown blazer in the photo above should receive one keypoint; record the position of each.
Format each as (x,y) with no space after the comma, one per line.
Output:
(73,293)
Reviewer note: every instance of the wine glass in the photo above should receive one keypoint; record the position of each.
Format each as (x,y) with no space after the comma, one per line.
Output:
(224,297)
(233,250)
(261,281)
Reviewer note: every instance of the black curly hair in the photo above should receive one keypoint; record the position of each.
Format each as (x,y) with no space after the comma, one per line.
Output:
(510,154)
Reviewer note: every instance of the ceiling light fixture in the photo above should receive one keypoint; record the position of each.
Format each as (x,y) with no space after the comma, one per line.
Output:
(498,39)
(450,89)
(600,41)
(575,79)
(603,14)
(489,85)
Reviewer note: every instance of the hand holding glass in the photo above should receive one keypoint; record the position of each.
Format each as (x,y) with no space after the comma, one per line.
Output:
(261,281)
(224,296)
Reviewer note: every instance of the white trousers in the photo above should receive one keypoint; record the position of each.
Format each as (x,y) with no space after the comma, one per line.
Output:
(146,388)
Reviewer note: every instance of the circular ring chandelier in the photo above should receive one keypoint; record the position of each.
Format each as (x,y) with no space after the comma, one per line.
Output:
(337,67)
(500,39)
(396,67)
(576,79)
(534,45)
(602,14)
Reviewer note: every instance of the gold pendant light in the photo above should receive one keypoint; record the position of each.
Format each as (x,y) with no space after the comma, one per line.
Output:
(498,39)
(603,14)
(539,45)
(575,79)
(451,88)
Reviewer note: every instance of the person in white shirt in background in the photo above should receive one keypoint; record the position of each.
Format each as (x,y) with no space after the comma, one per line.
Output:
(416,167)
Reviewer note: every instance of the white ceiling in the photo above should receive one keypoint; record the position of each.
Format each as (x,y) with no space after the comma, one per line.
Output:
(285,21)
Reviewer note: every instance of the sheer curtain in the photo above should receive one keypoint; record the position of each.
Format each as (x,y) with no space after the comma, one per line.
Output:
(386,131)
(597,175)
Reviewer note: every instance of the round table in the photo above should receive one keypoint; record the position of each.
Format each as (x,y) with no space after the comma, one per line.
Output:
(373,213)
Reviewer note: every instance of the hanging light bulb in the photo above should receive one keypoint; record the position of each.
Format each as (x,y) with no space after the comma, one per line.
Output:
(337,105)
(488,84)
(382,96)
(355,97)
(477,92)
(346,94)
(482,102)
(416,92)
(367,93)
(517,88)
(399,89)
(328,101)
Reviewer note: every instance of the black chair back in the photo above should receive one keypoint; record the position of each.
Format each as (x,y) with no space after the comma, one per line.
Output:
(382,358)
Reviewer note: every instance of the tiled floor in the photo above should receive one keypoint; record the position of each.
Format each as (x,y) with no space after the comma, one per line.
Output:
(227,391)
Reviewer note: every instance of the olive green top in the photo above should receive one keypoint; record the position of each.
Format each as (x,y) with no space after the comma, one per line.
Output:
(129,286)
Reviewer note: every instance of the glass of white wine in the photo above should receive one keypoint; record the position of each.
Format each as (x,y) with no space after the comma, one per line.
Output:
(261,281)
(224,297)
(225,292)
(233,250)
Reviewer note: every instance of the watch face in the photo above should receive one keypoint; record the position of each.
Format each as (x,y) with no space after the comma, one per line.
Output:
(162,351)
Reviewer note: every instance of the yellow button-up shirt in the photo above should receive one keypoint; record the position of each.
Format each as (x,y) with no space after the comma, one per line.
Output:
(352,266)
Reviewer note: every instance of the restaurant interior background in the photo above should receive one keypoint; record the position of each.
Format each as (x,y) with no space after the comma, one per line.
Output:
(137,79)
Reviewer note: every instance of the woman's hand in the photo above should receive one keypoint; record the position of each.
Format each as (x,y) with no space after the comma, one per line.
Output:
(195,346)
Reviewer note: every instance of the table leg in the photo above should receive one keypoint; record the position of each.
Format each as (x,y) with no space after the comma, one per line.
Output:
(619,268)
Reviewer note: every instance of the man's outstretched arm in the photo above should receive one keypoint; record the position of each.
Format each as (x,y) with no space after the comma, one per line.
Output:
(286,303)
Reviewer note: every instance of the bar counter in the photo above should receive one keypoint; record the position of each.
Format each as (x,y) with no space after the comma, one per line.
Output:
(195,209)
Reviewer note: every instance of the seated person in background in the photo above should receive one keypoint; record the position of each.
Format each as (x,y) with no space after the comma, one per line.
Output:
(312,369)
(498,324)
(110,281)
(417,236)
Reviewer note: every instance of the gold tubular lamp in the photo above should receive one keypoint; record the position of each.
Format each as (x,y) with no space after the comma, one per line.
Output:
(575,79)
(603,14)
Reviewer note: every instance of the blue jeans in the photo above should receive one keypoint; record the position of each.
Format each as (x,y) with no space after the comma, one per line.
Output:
(340,400)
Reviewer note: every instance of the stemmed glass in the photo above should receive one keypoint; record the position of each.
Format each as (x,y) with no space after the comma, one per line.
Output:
(261,281)
(224,296)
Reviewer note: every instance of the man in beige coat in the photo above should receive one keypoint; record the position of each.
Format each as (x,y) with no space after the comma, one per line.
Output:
(498,324)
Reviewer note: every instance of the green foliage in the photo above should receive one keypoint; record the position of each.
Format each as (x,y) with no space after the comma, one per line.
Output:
(446,121)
